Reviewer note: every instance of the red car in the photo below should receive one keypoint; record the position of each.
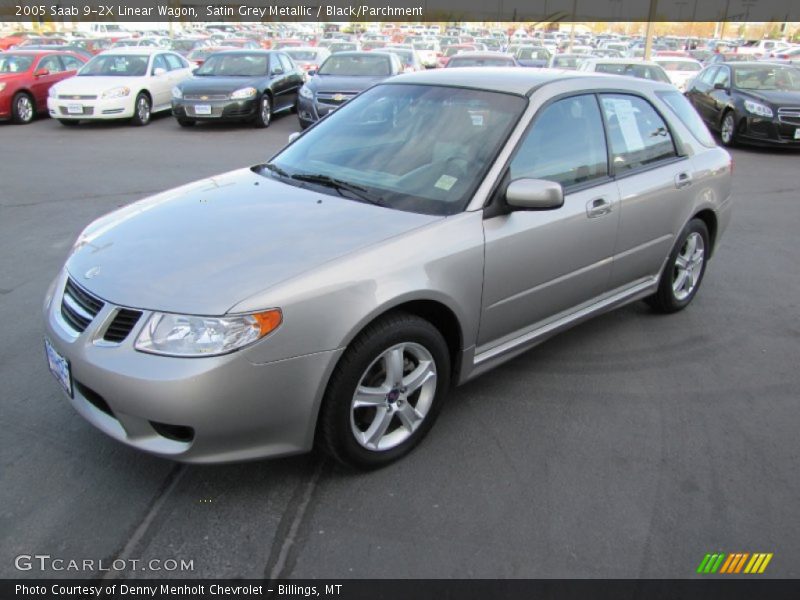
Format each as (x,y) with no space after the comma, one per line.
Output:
(26,77)
(452,50)
(14,39)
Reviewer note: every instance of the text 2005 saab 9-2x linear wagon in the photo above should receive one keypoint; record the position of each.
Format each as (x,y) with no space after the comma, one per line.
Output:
(435,226)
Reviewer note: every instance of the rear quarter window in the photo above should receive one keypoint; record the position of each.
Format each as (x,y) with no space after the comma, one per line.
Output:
(683,109)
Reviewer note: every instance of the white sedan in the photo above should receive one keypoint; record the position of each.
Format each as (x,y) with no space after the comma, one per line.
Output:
(123,83)
(679,70)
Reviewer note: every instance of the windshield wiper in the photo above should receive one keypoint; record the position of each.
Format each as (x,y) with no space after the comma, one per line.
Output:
(275,169)
(361,193)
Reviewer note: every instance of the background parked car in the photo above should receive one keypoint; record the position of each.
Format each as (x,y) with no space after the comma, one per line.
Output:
(308,58)
(625,66)
(199,55)
(125,83)
(26,77)
(532,56)
(750,102)
(238,85)
(340,78)
(408,58)
(566,61)
(679,70)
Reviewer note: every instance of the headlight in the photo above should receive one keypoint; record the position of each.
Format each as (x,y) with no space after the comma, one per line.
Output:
(244,93)
(187,335)
(306,93)
(119,92)
(757,108)
(3,86)
(177,93)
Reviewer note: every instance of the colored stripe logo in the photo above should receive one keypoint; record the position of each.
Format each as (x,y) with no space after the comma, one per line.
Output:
(737,562)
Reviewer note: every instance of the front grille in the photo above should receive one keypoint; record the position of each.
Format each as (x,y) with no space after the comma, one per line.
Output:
(76,97)
(121,325)
(335,98)
(789,115)
(87,110)
(208,97)
(216,111)
(79,307)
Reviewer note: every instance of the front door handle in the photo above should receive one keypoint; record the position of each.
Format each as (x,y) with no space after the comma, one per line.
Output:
(597,208)
(683,179)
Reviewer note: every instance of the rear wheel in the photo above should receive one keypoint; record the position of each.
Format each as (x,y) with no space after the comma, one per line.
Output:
(385,393)
(264,112)
(141,110)
(22,109)
(684,270)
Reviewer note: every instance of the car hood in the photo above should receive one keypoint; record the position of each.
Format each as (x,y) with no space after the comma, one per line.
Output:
(216,85)
(94,84)
(339,83)
(204,247)
(776,97)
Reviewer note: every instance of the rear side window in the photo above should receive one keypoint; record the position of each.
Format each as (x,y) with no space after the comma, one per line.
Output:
(286,63)
(566,144)
(637,134)
(684,110)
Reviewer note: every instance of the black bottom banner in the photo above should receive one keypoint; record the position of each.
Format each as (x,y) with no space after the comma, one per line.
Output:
(404,589)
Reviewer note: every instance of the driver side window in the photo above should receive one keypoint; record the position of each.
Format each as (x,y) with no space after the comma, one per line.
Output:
(566,144)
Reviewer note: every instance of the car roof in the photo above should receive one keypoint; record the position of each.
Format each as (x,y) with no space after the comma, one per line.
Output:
(37,51)
(511,80)
(484,54)
(622,61)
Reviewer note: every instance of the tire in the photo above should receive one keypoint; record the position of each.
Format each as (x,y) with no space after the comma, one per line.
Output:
(684,269)
(392,417)
(23,109)
(727,130)
(264,112)
(187,122)
(69,122)
(142,110)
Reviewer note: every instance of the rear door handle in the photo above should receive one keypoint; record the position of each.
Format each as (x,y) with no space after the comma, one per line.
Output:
(597,208)
(683,180)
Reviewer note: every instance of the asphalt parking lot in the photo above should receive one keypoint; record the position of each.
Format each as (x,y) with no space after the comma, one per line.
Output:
(630,446)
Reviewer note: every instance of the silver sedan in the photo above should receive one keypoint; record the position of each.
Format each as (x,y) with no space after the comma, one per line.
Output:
(435,226)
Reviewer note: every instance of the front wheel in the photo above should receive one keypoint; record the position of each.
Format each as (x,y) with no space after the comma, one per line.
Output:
(141,110)
(385,393)
(264,112)
(684,269)
(22,109)
(727,131)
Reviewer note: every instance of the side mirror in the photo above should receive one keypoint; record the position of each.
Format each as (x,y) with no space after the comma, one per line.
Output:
(534,194)
(41,72)
(311,72)
(720,86)
(158,71)
(293,136)
(277,71)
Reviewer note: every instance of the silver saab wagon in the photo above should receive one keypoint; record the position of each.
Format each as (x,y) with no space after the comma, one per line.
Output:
(435,226)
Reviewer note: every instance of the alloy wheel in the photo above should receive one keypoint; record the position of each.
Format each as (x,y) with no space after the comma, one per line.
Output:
(727,129)
(25,109)
(143,109)
(393,397)
(688,266)
(266,111)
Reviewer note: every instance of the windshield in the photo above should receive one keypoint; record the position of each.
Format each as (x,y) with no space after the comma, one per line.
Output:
(183,45)
(356,65)
(767,78)
(302,54)
(234,65)
(424,46)
(342,47)
(566,62)
(15,63)
(419,148)
(116,65)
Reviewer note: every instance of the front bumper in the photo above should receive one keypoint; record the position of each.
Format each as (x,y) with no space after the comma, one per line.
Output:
(220,110)
(311,110)
(761,131)
(90,108)
(5,104)
(224,408)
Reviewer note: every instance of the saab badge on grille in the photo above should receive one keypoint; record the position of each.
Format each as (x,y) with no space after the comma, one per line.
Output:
(203,97)
(91,273)
(338,97)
